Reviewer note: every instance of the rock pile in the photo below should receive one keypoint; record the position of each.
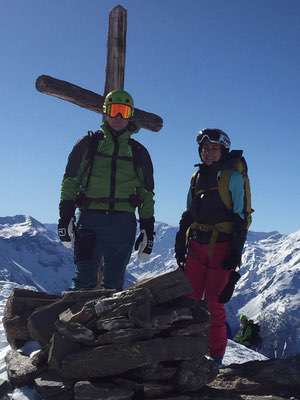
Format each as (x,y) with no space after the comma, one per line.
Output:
(146,342)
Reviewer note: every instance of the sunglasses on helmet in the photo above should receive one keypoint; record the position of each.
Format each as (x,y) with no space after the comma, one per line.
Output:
(115,109)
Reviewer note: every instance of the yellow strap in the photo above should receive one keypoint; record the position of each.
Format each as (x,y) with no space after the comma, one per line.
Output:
(224,227)
(221,227)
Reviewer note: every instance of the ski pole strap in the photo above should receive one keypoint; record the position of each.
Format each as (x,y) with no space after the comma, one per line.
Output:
(221,227)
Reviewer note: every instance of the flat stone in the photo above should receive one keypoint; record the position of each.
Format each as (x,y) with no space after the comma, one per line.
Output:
(157,372)
(167,287)
(138,388)
(198,308)
(134,304)
(20,369)
(75,332)
(59,348)
(40,358)
(116,359)
(125,336)
(154,390)
(85,295)
(79,313)
(41,322)
(85,390)
(199,330)
(164,318)
(208,393)
(51,386)
(116,323)
(181,397)
(193,374)
(271,377)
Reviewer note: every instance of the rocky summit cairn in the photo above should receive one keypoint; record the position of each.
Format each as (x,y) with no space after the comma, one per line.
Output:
(148,341)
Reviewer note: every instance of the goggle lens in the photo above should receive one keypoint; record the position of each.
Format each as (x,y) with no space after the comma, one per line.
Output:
(214,137)
(115,109)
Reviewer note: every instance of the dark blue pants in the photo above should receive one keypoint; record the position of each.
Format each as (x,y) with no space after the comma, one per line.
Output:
(110,236)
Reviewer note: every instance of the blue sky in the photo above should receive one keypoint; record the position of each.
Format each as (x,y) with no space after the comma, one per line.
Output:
(228,64)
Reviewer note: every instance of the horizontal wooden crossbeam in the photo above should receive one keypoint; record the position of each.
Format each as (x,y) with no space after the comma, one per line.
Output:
(90,100)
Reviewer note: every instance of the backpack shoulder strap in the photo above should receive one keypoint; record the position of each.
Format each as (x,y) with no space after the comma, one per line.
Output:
(93,140)
(194,180)
(223,187)
(142,160)
(235,162)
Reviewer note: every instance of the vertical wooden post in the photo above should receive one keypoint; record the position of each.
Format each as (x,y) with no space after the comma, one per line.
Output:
(115,71)
(116,49)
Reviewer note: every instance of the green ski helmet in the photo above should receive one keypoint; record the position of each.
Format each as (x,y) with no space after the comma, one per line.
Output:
(118,96)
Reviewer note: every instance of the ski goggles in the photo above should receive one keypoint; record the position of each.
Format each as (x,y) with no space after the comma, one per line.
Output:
(214,137)
(115,109)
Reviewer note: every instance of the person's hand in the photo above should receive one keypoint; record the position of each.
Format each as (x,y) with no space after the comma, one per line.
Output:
(144,242)
(65,232)
(180,240)
(65,227)
(232,261)
(239,235)
(180,259)
(228,290)
(180,250)
(62,230)
(144,246)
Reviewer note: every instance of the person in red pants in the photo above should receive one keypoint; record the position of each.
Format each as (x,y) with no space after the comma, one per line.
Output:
(213,229)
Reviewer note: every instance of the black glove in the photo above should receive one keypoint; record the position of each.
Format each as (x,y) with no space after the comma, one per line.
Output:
(232,261)
(180,241)
(228,290)
(239,236)
(66,212)
(147,225)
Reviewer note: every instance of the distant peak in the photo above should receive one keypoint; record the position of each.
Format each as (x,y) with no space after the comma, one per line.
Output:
(13,220)
(20,225)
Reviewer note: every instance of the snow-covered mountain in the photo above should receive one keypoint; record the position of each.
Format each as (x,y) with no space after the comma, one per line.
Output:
(268,291)
(31,254)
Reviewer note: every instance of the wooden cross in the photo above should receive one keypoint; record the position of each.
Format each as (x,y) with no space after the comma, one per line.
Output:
(115,70)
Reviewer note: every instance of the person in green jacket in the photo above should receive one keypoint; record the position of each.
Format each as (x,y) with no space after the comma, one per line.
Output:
(108,176)
(248,334)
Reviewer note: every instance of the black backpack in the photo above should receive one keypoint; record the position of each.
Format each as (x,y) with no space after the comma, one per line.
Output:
(255,338)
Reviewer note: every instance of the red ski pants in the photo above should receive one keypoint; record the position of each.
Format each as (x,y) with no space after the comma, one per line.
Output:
(208,279)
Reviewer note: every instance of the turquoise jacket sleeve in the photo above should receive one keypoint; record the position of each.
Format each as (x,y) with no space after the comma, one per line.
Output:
(236,187)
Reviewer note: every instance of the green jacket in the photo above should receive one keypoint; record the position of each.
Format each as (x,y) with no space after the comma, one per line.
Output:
(113,178)
(245,334)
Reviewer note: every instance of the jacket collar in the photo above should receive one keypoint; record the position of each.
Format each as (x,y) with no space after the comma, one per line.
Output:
(109,134)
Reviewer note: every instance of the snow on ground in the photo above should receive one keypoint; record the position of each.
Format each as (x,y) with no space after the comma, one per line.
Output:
(239,354)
